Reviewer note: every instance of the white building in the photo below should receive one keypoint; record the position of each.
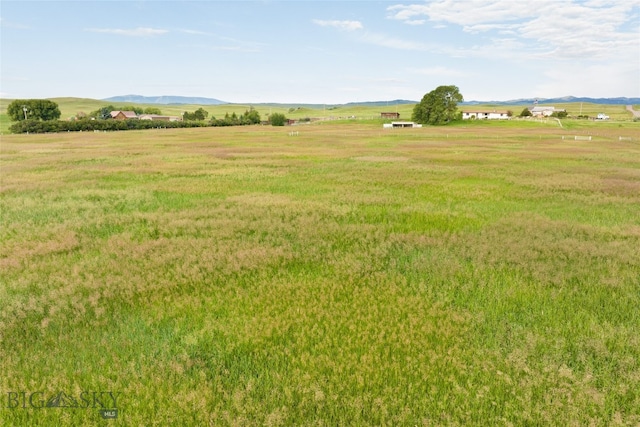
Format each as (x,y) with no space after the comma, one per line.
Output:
(157,117)
(401,125)
(485,115)
(544,111)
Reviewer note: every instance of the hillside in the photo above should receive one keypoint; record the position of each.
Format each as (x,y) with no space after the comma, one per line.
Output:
(564,100)
(165,100)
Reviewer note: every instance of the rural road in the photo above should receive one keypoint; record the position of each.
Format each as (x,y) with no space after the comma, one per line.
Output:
(634,112)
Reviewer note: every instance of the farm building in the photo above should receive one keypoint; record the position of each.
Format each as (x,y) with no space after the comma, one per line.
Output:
(156,117)
(389,115)
(486,115)
(544,111)
(123,115)
(401,125)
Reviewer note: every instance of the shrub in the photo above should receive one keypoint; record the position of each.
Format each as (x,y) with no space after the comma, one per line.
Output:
(277,119)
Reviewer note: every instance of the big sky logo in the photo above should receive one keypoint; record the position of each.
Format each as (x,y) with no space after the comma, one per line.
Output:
(104,401)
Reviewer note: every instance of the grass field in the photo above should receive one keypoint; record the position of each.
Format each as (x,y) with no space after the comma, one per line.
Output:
(485,274)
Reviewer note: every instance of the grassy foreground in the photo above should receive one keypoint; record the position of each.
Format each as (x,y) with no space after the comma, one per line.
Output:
(472,275)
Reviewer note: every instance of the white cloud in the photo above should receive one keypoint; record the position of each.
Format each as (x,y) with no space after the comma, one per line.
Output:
(393,42)
(546,28)
(13,25)
(342,25)
(196,32)
(373,38)
(136,32)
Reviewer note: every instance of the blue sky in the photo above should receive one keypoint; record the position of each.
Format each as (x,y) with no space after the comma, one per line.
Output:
(320,51)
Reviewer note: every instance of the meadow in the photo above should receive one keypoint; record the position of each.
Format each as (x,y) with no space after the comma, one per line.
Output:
(479,274)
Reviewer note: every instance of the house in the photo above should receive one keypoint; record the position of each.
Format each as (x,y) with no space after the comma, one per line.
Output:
(401,125)
(123,115)
(486,115)
(544,111)
(602,116)
(389,115)
(157,117)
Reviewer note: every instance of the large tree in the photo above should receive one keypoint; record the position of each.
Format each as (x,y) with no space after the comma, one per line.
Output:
(34,109)
(199,114)
(438,107)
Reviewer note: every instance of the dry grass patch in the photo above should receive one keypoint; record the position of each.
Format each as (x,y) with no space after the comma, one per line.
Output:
(381,159)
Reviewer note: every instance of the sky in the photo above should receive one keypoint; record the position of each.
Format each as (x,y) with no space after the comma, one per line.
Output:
(328,51)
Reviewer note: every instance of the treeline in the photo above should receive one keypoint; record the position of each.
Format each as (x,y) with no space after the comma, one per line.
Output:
(39,126)
(88,124)
(250,117)
(42,116)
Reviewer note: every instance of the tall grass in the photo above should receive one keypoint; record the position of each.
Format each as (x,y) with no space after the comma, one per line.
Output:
(464,275)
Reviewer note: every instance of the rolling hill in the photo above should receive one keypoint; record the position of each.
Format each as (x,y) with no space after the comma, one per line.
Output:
(165,100)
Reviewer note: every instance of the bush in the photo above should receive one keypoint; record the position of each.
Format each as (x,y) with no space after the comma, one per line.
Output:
(277,119)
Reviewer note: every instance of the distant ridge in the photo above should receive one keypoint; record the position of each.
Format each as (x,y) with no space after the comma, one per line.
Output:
(565,99)
(390,104)
(180,100)
(381,103)
(165,100)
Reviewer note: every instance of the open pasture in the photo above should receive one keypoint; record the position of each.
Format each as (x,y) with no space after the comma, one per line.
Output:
(350,275)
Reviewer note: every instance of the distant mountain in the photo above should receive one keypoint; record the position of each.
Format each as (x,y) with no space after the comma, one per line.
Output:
(380,103)
(562,100)
(165,100)
(321,106)
(177,100)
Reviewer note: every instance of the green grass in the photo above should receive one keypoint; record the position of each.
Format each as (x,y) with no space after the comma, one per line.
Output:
(477,274)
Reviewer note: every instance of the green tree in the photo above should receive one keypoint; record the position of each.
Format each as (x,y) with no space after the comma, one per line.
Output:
(135,109)
(251,117)
(152,110)
(199,114)
(277,119)
(438,107)
(103,113)
(35,109)
(525,113)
